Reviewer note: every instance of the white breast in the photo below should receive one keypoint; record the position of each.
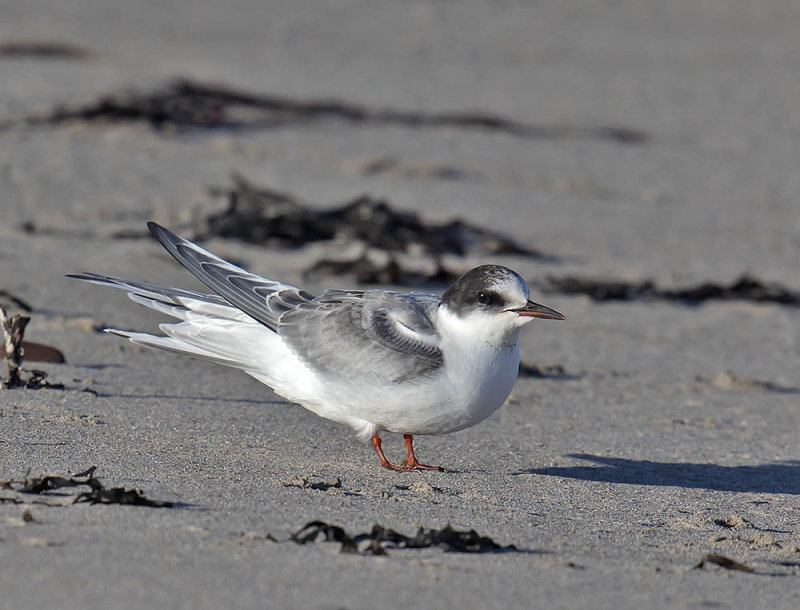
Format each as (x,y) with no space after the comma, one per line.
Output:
(481,363)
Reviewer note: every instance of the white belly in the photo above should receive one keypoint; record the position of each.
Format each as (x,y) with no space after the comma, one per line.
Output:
(461,397)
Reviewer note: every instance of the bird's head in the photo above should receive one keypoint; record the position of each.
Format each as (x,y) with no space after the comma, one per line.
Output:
(494,300)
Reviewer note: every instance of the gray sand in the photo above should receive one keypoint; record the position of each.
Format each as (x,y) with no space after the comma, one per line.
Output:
(613,482)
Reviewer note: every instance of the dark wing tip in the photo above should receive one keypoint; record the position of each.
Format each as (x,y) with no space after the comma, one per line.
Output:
(162,234)
(85,275)
(170,241)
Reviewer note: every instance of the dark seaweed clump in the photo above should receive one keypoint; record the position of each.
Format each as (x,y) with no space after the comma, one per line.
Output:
(262,216)
(97,494)
(745,288)
(194,104)
(379,537)
(270,218)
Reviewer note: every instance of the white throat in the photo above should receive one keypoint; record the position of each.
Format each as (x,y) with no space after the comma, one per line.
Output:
(477,345)
(481,359)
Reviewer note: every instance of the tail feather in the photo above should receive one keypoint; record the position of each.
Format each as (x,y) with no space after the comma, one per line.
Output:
(237,329)
(228,340)
(188,309)
(168,344)
(210,328)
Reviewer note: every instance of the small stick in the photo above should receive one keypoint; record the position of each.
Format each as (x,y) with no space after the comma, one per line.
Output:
(13,329)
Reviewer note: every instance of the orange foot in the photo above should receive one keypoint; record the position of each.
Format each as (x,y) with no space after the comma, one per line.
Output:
(410,462)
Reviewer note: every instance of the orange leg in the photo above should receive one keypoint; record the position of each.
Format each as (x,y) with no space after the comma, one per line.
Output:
(376,445)
(411,460)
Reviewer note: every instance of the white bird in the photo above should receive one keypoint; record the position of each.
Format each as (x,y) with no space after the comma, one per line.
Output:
(376,360)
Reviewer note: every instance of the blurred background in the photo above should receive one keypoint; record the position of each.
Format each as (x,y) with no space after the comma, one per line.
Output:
(637,139)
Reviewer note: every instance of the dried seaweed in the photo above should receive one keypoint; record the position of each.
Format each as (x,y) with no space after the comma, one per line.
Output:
(553,371)
(367,272)
(723,562)
(190,103)
(43,49)
(379,537)
(746,288)
(386,166)
(47,483)
(37,380)
(319,531)
(12,300)
(119,495)
(266,217)
(97,494)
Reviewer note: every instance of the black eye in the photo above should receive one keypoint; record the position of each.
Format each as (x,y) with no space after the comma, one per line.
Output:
(488,298)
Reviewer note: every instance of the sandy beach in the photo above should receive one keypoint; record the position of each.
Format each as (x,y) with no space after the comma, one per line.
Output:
(648,454)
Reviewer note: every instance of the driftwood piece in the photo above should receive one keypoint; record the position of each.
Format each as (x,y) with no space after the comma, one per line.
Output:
(13,331)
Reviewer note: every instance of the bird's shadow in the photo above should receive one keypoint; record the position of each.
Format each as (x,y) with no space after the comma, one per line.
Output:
(779,477)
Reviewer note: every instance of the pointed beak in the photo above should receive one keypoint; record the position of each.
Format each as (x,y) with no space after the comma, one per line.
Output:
(534,310)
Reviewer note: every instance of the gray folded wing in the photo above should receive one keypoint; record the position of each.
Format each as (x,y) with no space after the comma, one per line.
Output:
(371,334)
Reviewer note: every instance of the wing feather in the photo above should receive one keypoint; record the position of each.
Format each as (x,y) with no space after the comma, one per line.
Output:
(263,299)
(366,334)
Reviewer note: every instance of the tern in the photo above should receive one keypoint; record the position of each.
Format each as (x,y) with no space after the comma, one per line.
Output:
(377,360)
